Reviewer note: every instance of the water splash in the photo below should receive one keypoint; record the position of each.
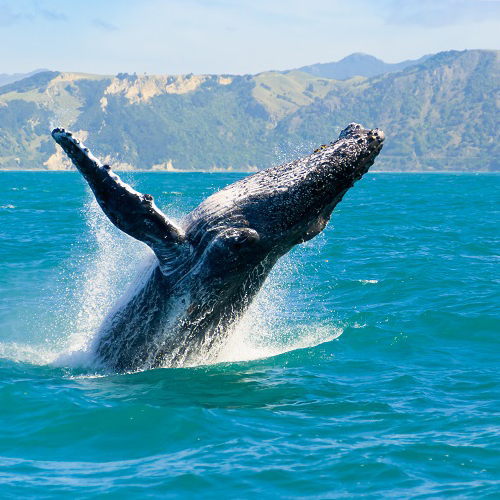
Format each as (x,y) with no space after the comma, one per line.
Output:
(266,328)
(99,282)
(97,278)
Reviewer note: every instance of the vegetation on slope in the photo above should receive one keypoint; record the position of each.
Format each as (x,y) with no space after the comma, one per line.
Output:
(441,114)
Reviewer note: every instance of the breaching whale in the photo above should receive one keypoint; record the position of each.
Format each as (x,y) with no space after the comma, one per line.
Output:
(210,266)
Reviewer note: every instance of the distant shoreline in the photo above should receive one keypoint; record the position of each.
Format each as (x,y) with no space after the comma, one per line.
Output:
(211,172)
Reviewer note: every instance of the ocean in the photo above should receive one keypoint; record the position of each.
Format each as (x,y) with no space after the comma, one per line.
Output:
(368,366)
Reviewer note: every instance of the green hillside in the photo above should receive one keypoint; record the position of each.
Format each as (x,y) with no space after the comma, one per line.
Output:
(442,114)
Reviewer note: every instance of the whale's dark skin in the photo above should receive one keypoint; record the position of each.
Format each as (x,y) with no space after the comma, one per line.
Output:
(209,267)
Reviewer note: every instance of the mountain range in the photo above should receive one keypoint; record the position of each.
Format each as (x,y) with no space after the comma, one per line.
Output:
(440,112)
(358,64)
(6,78)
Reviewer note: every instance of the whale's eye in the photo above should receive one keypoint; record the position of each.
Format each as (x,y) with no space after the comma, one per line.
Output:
(241,238)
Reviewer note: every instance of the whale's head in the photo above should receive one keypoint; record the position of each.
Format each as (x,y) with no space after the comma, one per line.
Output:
(295,201)
(266,214)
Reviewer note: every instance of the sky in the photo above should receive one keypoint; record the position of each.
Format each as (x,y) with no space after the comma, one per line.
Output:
(233,37)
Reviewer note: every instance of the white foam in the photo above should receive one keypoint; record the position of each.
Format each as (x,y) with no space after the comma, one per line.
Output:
(35,354)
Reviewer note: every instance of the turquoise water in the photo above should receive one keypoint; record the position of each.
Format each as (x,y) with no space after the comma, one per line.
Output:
(369,366)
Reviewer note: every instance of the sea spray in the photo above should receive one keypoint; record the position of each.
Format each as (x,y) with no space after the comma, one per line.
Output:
(119,262)
(105,263)
(264,330)
(99,282)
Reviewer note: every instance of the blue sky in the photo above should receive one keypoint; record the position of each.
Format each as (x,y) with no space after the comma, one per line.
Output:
(240,36)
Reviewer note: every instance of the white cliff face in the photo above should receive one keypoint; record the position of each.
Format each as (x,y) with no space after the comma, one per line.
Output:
(141,88)
(61,97)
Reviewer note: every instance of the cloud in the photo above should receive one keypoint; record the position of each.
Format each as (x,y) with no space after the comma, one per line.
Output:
(443,13)
(9,18)
(104,25)
(51,15)
(225,36)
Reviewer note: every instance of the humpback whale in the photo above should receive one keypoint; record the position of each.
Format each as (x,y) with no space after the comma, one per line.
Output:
(210,266)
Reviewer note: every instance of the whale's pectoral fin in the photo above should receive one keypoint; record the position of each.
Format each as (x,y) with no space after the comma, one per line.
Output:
(134,213)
